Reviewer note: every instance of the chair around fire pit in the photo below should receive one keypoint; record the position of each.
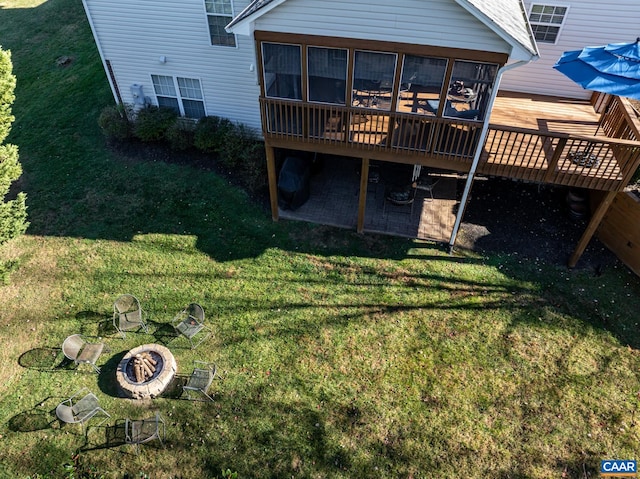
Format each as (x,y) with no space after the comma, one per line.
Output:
(190,322)
(74,411)
(128,315)
(144,430)
(76,348)
(200,381)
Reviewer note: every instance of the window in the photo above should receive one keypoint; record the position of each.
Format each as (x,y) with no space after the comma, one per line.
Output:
(282,70)
(219,14)
(184,95)
(546,21)
(327,70)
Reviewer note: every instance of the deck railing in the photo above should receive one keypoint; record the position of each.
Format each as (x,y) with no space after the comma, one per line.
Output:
(599,162)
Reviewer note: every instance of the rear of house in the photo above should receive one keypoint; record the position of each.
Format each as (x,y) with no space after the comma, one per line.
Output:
(409,82)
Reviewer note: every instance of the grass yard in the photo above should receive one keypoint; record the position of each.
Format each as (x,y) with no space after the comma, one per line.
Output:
(343,356)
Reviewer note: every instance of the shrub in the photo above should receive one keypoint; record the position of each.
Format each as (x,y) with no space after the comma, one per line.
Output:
(180,135)
(211,133)
(152,123)
(13,213)
(244,154)
(7,96)
(114,122)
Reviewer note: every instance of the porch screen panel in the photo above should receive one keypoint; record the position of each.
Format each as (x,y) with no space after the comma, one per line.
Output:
(470,89)
(282,70)
(421,84)
(327,70)
(373,74)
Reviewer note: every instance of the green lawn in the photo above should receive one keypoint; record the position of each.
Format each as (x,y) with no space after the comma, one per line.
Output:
(343,356)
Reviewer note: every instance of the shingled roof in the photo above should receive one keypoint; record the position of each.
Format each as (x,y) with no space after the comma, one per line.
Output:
(505,17)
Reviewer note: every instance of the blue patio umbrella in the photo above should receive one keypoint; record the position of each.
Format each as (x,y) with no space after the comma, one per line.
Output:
(613,68)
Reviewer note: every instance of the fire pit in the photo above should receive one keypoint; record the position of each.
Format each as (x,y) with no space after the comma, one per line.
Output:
(146,371)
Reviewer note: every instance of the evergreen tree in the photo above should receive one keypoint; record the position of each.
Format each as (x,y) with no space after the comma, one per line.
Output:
(13,213)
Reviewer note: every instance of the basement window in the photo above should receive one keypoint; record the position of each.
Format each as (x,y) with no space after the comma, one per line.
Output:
(184,95)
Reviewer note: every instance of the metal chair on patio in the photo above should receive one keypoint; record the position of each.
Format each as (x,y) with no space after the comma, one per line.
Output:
(80,351)
(144,430)
(190,323)
(74,410)
(128,315)
(200,381)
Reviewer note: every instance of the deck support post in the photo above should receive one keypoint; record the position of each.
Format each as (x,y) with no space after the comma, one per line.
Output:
(364,181)
(596,219)
(272,177)
(478,152)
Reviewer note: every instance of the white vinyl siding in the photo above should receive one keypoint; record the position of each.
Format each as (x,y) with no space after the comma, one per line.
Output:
(134,34)
(588,23)
(436,22)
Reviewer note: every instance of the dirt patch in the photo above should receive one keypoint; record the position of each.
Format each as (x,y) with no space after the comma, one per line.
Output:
(532,221)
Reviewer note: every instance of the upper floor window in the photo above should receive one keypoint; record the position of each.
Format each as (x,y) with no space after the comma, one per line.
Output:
(184,95)
(219,14)
(546,21)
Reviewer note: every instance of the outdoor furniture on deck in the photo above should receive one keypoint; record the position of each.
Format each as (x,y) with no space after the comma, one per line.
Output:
(144,430)
(190,322)
(77,349)
(128,315)
(72,411)
(200,381)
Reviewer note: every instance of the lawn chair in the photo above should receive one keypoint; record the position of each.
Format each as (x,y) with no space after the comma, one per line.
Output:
(144,430)
(200,381)
(190,323)
(72,411)
(77,349)
(128,315)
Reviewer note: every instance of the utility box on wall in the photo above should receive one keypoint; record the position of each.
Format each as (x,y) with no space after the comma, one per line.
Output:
(137,94)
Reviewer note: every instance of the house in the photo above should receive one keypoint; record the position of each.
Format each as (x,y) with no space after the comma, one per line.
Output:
(412,82)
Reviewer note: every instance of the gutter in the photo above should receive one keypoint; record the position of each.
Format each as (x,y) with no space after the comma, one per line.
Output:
(479,148)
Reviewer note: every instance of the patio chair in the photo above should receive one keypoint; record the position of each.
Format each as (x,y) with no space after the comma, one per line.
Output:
(200,381)
(144,430)
(190,323)
(77,349)
(428,184)
(128,315)
(74,410)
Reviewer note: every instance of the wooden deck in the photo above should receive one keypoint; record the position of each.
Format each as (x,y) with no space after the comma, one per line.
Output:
(545,113)
(532,138)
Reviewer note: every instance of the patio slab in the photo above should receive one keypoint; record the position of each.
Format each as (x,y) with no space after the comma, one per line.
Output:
(334,195)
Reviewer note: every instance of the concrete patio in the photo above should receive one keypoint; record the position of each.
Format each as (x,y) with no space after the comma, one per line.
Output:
(335,189)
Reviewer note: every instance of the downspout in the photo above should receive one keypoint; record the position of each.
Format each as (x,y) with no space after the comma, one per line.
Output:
(478,152)
(99,47)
